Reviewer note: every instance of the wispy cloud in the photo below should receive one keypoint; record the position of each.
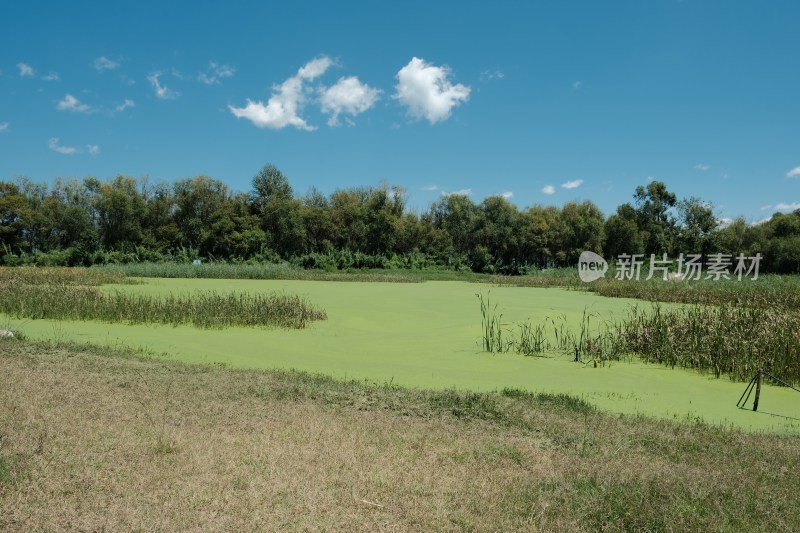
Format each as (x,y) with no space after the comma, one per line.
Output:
(795,172)
(766,207)
(488,75)
(93,149)
(70,103)
(51,76)
(284,106)
(125,105)
(430,188)
(787,207)
(549,189)
(103,63)
(162,91)
(460,192)
(215,73)
(701,166)
(3,126)
(574,184)
(348,95)
(507,195)
(66,150)
(427,92)
(25,69)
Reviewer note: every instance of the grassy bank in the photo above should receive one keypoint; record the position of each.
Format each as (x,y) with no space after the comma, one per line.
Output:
(95,440)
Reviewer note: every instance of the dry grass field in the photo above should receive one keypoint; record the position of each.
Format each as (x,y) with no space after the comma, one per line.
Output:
(93,440)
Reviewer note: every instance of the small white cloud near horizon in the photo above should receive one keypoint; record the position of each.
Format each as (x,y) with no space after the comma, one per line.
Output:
(216,72)
(795,172)
(287,100)
(787,207)
(66,150)
(549,189)
(125,105)
(70,103)
(93,149)
(701,166)
(507,195)
(162,91)
(25,70)
(103,63)
(574,184)
(765,207)
(460,192)
(51,76)
(3,126)
(430,188)
(427,92)
(348,95)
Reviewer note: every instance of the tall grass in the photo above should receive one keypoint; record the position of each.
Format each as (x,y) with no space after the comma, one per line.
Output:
(69,276)
(63,301)
(491,326)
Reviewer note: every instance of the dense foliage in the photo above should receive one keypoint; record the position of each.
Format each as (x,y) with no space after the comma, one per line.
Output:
(129,220)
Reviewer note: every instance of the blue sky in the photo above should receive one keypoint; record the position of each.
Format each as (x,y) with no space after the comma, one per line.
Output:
(546,102)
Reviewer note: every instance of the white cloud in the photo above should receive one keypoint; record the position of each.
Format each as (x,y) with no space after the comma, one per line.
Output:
(574,184)
(348,95)
(93,149)
(3,126)
(487,75)
(427,92)
(51,76)
(25,69)
(125,105)
(162,91)
(103,63)
(766,207)
(70,103)
(701,166)
(507,195)
(286,101)
(787,207)
(549,189)
(54,146)
(577,84)
(795,172)
(430,188)
(460,192)
(216,72)
(724,222)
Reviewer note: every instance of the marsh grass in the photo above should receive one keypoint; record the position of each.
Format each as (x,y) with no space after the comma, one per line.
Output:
(59,275)
(283,450)
(204,309)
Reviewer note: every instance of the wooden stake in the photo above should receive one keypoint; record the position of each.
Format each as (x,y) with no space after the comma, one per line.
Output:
(759,377)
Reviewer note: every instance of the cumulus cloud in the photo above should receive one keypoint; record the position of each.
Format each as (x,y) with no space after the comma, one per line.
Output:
(162,91)
(549,189)
(507,195)
(103,63)
(215,73)
(427,92)
(348,95)
(70,103)
(287,100)
(25,69)
(787,207)
(125,105)
(460,192)
(51,76)
(795,172)
(54,146)
(701,166)
(93,149)
(574,184)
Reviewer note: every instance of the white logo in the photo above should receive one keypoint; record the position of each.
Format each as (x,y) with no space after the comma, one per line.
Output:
(591,266)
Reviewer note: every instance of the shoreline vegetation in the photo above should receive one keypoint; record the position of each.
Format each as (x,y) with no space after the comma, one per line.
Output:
(199,446)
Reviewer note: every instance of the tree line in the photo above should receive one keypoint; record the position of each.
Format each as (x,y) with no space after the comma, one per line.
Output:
(89,221)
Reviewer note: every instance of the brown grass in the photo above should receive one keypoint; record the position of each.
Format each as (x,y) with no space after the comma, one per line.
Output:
(94,441)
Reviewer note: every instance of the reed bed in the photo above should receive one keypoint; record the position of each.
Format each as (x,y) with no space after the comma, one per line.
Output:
(60,275)
(204,309)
